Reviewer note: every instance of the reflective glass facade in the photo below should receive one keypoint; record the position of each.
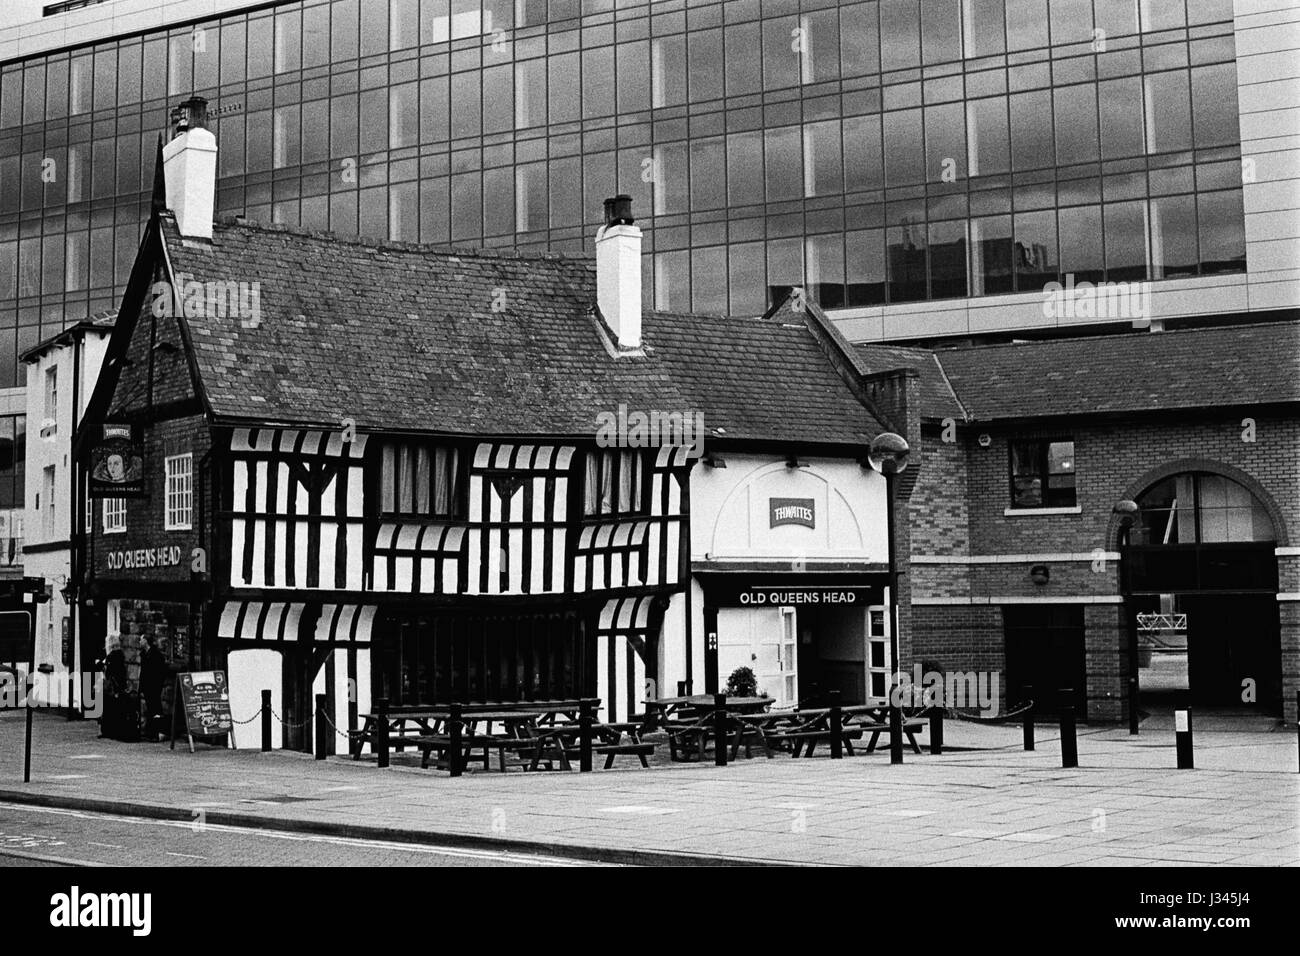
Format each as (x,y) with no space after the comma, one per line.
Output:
(877,152)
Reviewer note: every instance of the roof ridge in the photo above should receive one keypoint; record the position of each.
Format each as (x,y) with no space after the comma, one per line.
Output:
(1110,336)
(238,221)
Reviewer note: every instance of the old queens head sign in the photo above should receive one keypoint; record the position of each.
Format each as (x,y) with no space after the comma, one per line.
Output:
(798,511)
(117,463)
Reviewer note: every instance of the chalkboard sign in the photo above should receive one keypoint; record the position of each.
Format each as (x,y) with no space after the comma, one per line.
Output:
(204,698)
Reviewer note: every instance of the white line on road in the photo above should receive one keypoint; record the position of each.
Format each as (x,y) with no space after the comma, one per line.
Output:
(188,856)
(506,857)
(106,846)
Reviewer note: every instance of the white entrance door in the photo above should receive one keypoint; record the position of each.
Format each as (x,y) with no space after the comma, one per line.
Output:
(766,641)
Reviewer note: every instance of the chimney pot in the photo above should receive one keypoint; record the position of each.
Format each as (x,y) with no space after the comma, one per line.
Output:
(618,211)
(190,169)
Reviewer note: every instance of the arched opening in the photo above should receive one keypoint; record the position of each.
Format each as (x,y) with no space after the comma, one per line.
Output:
(1200,575)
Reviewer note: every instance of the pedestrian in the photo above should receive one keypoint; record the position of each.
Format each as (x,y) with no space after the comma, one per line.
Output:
(153,674)
(120,720)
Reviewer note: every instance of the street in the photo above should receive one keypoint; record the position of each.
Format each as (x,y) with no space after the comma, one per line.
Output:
(44,836)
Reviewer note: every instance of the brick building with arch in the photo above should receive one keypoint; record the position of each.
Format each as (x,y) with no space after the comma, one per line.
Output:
(1022,563)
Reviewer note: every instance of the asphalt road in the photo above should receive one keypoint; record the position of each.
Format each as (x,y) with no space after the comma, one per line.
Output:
(40,836)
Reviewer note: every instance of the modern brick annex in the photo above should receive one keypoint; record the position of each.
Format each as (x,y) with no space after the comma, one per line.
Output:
(1199,428)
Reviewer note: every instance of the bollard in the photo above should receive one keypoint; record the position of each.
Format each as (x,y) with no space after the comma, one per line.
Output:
(381,731)
(322,727)
(936,731)
(895,734)
(1133,706)
(720,729)
(1069,742)
(584,736)
(454,753)
(1029,717)
(1183,738)
(837,726)
(266,721)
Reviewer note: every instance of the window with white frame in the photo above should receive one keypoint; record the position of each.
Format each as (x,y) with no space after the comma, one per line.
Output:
(51,400)
(878,654)
(114,515)
(179,505)
(48,510)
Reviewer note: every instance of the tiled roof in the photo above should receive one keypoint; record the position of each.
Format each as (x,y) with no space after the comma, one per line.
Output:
(404,337)
(1245,364)
(937,398)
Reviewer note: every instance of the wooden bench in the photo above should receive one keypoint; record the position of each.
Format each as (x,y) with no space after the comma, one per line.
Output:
(799,739)
(637,749)
(910,726)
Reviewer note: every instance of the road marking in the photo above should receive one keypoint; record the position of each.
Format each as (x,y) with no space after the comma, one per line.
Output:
(907,813)
(67,776)
(86,757)
(106,846)
(188,856)
(338,789)
(644,811)
(507,857)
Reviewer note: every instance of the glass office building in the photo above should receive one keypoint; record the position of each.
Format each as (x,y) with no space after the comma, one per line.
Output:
(881,152)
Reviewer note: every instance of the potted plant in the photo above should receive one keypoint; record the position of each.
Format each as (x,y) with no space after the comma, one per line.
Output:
(742,683)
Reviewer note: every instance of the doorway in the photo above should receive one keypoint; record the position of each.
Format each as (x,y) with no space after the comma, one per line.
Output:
(764,639)
(1045,650)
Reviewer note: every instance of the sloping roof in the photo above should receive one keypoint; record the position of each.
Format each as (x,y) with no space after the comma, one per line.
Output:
(403,337)
(1245,364)
(938,400)
(101,321)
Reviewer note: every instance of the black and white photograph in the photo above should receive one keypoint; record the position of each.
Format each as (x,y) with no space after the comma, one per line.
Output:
(494,435)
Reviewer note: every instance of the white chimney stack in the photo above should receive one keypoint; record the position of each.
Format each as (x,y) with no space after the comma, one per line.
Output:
(190,170)
(618,272)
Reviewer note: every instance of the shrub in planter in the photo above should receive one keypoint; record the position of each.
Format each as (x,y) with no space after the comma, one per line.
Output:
(742,683)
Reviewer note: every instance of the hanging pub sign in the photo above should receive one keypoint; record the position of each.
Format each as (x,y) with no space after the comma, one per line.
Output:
(791,511)
(117,463)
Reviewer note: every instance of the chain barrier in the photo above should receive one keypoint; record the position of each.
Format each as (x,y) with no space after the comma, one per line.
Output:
(256,714)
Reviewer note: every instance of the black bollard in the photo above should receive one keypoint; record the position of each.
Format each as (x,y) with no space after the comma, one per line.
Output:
(1029,717)
(720,729)
(936,731)
(266,721)
(584,736)
(381,731)
(895,734)
(1069,741)
(454,753)
(837,726)
(1133,706)
(322,728)
(1183,738)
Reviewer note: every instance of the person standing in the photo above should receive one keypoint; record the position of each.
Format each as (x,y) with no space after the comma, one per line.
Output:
(153,674)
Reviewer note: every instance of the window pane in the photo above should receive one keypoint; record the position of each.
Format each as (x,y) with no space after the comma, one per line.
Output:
(991,255)
(434,116)
(1214,105)
(904,151)
(900,34)
(1126,235)
(562,82)
(784,167)
(906,256)
(1026,24)
(983,27)
(708,173)
(1169,114)
(822,172)
(1222,232)
(705,63)
(746,278)
(782,44)
(865,267)
(1173,236)
(530,197)
(1076,123)
(744,69)
(1071,21)
(1031,137)
(947,259)
(597,82)
(466,206)
(824,270)
(633,76)
(863,165)
(990,141)
(859,39)
(668,61)
(1034,252)
(709,280)
(941,30)
(1081,245)
(465,92)
(784,268)
(945,143)
(672,285)
(671,179)
(1121,117)
(744,168)
(821,46)
(530,94)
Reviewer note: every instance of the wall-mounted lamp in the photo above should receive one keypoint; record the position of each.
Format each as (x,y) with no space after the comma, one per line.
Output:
(792,461)
(985,440)
(715,461)
(1040,574)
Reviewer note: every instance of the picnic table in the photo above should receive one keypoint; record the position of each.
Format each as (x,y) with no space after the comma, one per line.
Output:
(664,709)
(563,742)
(405,724)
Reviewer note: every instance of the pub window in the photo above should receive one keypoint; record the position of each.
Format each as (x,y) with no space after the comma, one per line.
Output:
(51,401)
(114,515)
(419,479)
(178,508)
(1042,474)
(614,483)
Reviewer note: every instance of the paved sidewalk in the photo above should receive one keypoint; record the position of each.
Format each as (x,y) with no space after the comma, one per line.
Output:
(1125,805)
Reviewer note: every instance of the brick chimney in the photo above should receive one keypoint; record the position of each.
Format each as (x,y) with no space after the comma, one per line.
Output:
(190,169)
(618,272)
